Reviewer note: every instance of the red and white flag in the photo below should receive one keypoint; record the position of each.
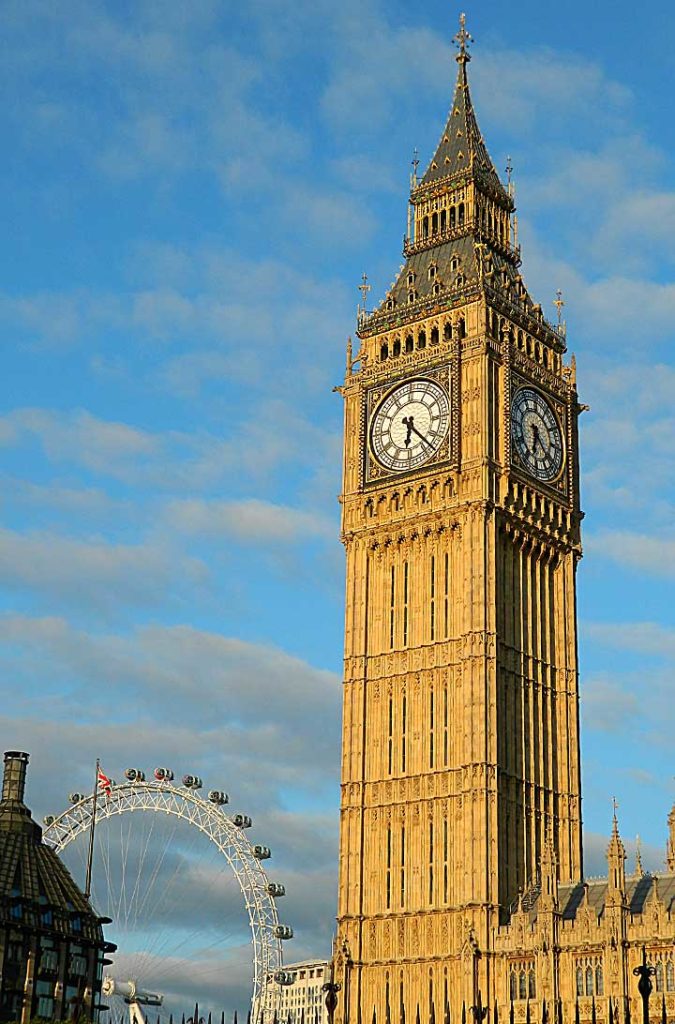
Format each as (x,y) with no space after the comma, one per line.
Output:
(104,783)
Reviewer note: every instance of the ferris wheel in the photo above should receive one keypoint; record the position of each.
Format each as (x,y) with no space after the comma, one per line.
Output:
(140,869)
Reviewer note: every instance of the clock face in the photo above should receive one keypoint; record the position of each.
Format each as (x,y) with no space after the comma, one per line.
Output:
(410,425)
(536,434)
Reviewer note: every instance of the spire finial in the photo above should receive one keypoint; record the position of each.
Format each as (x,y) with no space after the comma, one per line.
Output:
(558,302)
(462,40)
(364,288)
(639,870)
(509,172)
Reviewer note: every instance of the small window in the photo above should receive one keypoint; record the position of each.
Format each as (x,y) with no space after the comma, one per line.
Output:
(397,347)
(522,985)
(580,981)
(432,271)
(78,966)
(437,289)
(384,352)
(409,343)
(434,335)
(422,339)
(531,984)
(411,296)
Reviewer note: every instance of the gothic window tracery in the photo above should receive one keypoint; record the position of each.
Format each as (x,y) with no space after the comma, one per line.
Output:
(522,981)
(590,977)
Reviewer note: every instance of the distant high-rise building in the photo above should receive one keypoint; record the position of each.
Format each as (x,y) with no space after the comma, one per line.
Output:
(460,875)
(52,947)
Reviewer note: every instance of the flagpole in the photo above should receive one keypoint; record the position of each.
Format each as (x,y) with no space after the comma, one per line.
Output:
(90,857)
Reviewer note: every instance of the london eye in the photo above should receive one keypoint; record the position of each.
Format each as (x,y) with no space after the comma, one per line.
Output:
(192,910)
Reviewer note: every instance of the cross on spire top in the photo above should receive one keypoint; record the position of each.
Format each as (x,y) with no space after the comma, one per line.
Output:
(462,40)
(364,288)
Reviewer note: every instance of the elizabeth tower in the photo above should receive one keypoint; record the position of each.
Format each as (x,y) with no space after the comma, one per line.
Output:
(461,524)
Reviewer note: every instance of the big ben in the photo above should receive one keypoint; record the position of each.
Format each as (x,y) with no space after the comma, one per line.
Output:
(461,526)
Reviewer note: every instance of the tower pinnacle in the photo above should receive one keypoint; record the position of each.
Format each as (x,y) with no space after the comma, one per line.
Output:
(670,850)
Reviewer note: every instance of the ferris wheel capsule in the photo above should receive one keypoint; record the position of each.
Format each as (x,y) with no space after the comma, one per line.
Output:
(262,852)
(283,931)
(75,798)
(216,796)
(163,774)
(134,775)
(49,819)
(283,977)
(242,820)
(192,782)
(276,889)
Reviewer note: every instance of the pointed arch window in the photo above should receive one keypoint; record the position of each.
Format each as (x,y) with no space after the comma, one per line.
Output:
(670,976)
(599,981)
(589,981)
(580,981)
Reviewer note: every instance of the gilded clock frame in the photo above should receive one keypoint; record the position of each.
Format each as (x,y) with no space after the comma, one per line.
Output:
(372,472)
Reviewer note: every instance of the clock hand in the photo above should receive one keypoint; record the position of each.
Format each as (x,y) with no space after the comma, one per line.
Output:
(537,440)
(407,422)
(410,424)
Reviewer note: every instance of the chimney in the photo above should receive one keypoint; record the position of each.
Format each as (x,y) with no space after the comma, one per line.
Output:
(14,778)
(14,815)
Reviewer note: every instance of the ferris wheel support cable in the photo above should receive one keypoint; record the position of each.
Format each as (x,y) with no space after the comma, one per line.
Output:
(134,894)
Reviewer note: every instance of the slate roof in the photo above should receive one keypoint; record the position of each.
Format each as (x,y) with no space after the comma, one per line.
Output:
(461,146)
(638,891)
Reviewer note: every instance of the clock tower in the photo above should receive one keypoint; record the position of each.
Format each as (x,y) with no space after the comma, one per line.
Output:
(461,525)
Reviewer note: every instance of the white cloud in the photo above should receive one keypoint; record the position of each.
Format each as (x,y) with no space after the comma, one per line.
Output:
(91,574)
(642,552)
(644,637)
(249,520)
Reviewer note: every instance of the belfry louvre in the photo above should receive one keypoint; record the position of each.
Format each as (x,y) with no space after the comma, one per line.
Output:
(461,883)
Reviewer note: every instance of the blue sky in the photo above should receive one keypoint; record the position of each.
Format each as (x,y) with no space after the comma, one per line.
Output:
(189,196)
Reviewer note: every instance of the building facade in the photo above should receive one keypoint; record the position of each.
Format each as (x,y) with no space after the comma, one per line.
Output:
(460,851)
(52,948)
(301,999)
